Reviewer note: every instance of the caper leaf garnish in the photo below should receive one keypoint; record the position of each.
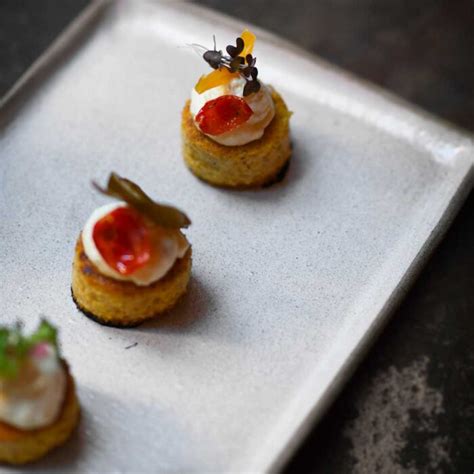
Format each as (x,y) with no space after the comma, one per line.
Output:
(161,214)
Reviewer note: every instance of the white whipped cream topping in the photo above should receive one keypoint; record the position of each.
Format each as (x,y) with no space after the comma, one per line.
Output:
(34,398)
(168,246)
(261,104)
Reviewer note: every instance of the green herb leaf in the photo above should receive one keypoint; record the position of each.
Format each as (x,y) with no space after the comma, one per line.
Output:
(45,333)
(14,346)
(132,194)
(6,368)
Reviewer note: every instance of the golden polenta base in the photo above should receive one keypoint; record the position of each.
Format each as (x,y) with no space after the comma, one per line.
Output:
(255,164)
(22,446)
(121,303)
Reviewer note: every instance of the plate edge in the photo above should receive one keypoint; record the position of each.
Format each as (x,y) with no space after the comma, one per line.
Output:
(59,47)
(91,13)
(364,345)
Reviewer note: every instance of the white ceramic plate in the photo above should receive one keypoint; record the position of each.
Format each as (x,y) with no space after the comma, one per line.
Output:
(290,283)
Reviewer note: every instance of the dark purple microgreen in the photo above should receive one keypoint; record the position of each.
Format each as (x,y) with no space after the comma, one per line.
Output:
(231,50)
(126,190)
(234,51)
(213,58)
(235,63)
(251,87)
(247,71)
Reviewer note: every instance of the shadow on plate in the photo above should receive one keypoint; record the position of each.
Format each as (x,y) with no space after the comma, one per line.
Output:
(108,437)
(189,310)
(284,184)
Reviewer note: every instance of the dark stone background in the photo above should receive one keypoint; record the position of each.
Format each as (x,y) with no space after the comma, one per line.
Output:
(410,405)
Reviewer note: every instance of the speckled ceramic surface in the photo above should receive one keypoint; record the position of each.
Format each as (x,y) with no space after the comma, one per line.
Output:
(289,284)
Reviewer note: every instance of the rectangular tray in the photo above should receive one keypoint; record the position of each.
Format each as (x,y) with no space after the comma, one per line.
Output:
(290,283)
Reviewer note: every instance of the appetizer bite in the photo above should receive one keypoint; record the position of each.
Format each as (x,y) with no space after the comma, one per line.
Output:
(235,129)
(38,404)
(132,262)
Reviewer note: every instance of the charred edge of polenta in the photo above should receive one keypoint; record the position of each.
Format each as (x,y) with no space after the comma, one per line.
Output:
(104,322)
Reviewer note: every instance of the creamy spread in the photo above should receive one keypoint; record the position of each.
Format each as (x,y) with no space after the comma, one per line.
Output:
(260,102)
(168,246)
(34,398)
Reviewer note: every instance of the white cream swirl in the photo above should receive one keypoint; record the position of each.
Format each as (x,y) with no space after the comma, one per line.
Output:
(34,398)
(168,246)
(260,102)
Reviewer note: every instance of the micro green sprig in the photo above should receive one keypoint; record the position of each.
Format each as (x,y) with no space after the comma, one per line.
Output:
(15,346)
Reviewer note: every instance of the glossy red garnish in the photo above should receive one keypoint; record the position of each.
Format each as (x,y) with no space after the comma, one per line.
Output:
(123,240)
(223,114)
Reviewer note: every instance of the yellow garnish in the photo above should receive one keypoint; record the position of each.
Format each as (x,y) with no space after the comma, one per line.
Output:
(249,41)
(219,77)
